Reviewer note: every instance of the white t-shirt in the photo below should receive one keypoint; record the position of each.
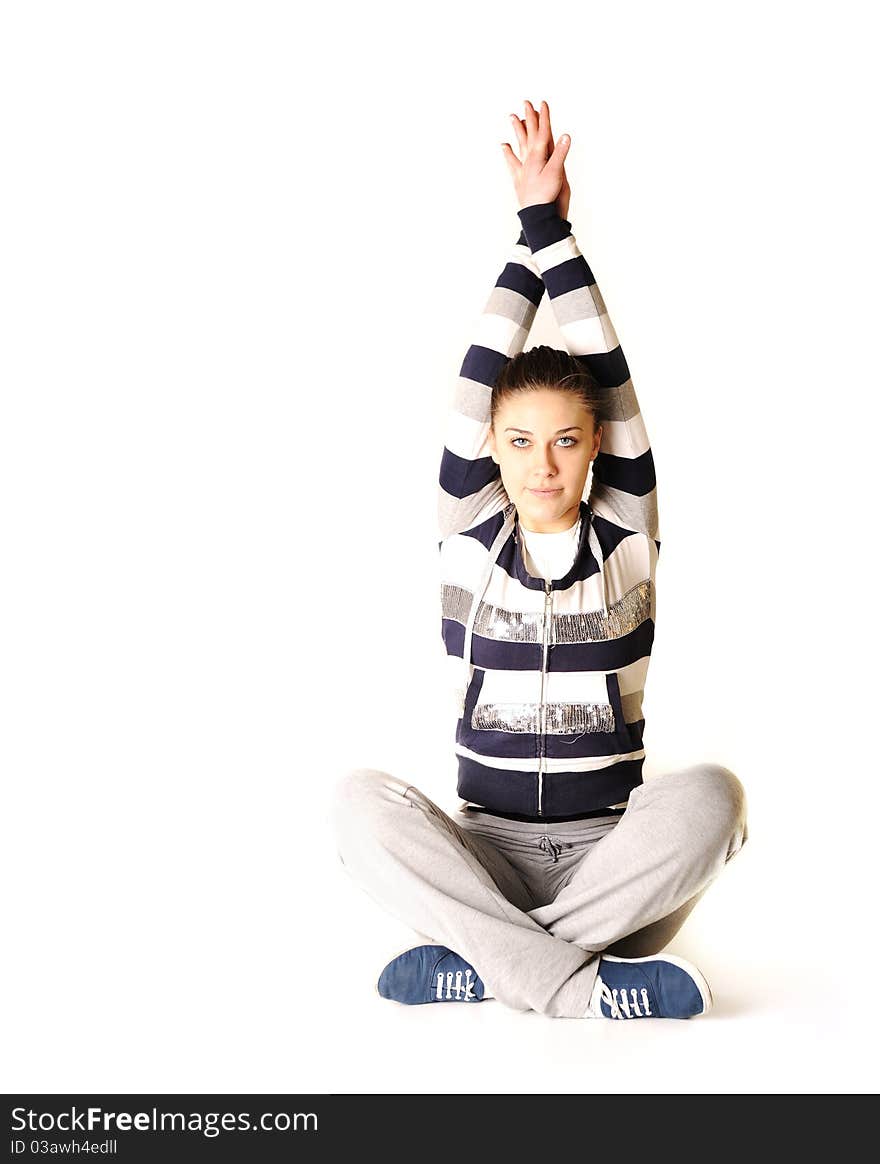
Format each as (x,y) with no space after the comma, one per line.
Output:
(550,555)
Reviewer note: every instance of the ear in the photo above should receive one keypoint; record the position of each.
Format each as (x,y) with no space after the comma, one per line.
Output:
(597,440)
(490,438)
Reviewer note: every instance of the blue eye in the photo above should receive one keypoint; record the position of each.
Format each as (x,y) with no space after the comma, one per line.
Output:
(562,438)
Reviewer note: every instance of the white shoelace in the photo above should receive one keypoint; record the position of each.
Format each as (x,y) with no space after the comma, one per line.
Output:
(463,991)
(620,1003)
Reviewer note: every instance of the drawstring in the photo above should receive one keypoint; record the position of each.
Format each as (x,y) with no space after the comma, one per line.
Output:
(597,554)
(494,551)
(550,846)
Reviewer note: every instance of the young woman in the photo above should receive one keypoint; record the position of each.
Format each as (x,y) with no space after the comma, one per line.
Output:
(562,874)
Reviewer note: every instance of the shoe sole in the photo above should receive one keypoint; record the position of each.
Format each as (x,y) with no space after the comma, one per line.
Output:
(688,967)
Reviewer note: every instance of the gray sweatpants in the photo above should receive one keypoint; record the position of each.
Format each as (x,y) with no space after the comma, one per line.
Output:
(531,905)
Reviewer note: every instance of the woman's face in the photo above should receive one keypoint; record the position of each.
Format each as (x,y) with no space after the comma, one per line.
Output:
(544,441)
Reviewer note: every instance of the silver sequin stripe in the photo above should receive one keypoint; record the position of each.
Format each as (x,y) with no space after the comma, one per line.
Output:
(494,622)
(562,718)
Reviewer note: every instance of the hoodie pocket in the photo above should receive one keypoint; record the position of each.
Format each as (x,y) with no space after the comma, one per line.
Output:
(468,734)
(621,730)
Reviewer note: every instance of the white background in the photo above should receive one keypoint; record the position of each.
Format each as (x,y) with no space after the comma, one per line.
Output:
(242,257)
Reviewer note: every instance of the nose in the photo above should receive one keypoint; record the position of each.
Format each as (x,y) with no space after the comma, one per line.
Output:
(544,466)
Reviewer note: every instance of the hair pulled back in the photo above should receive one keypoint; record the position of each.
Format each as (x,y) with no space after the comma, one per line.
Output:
(544,367)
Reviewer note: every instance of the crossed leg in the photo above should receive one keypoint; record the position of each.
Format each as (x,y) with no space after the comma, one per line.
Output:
(461,892)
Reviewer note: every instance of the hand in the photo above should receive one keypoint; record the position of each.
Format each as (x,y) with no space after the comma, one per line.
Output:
(539,176)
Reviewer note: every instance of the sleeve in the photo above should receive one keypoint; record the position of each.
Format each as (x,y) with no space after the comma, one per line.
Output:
(471,489)
(624,486)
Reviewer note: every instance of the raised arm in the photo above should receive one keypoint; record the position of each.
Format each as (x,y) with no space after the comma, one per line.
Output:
(470,482)
(624,486)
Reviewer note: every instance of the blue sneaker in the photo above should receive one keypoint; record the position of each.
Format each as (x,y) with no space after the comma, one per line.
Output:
(430,974)
(661,986)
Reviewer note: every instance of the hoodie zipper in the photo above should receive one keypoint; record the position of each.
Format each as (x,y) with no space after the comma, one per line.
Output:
(548,601)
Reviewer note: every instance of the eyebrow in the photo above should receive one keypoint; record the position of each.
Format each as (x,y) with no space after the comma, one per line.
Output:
(558,431)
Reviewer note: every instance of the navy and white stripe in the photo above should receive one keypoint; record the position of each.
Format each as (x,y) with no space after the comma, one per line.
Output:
(601,623)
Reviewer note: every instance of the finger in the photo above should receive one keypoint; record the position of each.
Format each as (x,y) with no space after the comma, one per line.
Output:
(546,108)
(513,162)
(543,120)
(560,152)
(519,128)
(531,120)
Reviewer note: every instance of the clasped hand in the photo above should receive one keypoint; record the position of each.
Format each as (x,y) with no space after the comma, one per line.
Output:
(539,173)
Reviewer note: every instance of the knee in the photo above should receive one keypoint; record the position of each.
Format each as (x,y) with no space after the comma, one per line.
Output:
(352,795)
(721,795)
(364,795)
(354,789)
(365,805)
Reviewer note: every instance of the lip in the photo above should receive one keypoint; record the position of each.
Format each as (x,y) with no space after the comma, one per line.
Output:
(545,492)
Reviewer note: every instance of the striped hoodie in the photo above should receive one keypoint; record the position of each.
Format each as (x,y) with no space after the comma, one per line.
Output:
(548,675)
